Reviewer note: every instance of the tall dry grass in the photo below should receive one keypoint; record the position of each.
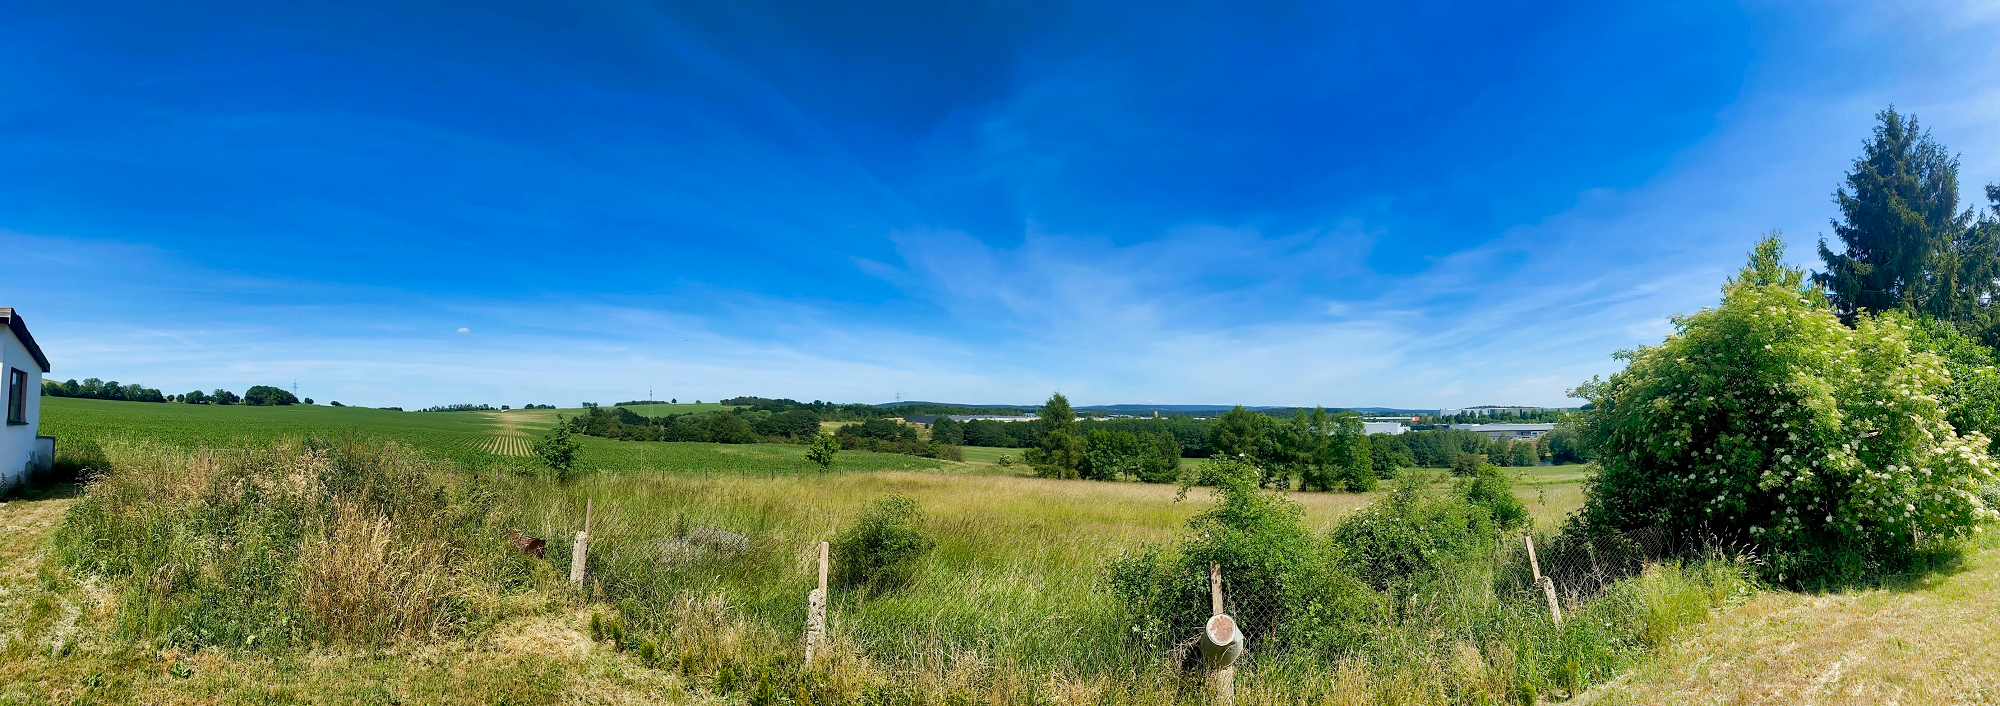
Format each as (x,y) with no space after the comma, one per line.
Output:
(365,584)
(298,542)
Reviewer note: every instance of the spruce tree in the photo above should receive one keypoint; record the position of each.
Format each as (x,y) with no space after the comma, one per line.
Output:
(1904,243)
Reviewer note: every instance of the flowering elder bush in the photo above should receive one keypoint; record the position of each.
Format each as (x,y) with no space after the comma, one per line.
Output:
(1765,421)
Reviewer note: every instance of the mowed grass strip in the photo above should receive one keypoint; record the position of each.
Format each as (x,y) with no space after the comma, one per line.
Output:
(1933,639)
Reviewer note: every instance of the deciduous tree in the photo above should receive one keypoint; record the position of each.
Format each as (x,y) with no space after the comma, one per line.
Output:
(1058,451)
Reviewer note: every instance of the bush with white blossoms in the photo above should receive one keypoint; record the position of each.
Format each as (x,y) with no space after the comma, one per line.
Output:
(1765,421)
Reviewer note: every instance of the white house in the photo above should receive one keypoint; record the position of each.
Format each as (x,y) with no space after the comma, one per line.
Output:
(22,452)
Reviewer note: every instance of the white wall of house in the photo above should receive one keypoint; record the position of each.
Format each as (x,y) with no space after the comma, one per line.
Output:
(18,447)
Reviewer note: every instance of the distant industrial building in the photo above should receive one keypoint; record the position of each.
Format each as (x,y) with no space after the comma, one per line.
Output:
(932,418)
(1507,432)
(1384,427)
(1490,411)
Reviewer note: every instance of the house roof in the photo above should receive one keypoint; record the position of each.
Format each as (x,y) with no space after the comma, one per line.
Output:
(20,330)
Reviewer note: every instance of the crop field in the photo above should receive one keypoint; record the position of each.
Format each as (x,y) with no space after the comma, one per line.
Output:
(466,439)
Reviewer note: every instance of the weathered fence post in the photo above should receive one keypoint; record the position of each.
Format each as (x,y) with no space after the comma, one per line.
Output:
(1221,642)
(1548,584)
(816,611)
(576,557)
(1549,589)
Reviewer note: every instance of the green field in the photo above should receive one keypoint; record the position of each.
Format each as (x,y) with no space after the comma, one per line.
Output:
(470,440)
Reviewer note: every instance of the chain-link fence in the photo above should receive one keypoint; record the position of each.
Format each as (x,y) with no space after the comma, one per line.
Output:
(1583,567)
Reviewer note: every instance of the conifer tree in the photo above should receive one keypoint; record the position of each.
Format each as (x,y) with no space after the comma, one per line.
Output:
(1904,243)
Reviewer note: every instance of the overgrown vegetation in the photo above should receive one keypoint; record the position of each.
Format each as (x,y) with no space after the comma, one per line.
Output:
(1765,421)
(1414,599)
(311,542)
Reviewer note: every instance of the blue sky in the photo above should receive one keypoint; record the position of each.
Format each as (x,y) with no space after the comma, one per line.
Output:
(1421,205)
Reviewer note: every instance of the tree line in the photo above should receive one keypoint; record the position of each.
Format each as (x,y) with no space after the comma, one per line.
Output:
(736,426)
(95,389)
(769,421)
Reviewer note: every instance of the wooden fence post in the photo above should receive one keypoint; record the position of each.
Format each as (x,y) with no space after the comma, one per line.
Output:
(1222,680)
(1548,584)
(1549,590)
(816,611)
(582,548)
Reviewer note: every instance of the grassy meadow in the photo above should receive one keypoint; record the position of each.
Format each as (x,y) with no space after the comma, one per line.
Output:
(1011,607)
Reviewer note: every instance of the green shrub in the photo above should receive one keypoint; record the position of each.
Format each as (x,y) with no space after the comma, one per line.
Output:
(1765,421)
(1283,585)
(880,550)
(557,450)
(1413,535)
(1490,489)
(1972,398)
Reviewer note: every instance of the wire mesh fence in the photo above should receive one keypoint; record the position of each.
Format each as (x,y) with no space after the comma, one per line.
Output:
(1583,567)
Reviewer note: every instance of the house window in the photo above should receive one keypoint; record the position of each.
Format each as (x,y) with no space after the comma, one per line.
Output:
(17,397)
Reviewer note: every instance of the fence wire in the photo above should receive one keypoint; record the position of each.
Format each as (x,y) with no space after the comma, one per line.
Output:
(1585,567)
(1582,569)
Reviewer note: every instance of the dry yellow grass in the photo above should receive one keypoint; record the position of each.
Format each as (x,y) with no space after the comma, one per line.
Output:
(365,582)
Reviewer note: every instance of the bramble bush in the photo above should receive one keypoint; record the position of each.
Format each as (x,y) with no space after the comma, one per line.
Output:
(1765,421)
